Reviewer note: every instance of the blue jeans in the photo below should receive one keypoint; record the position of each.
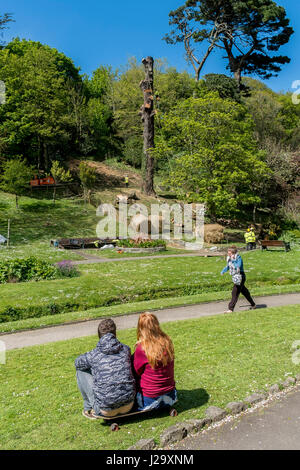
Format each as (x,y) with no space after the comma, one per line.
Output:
(85,385)
(157,403)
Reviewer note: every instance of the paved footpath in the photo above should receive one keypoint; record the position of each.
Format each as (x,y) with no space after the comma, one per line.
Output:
(89,328)
(274,426)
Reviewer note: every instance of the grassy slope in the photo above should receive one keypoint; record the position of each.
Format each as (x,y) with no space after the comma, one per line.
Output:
(39,221)
(218,359)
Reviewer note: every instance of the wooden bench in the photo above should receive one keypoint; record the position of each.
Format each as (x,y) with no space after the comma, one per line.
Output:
(275,243)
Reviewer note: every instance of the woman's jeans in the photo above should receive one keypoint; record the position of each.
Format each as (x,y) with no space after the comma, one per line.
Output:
(236,292)
(163,401)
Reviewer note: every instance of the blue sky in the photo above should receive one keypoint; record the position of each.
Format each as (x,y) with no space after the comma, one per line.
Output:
(98,32)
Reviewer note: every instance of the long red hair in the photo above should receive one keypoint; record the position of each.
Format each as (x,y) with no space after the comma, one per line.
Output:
(156,344)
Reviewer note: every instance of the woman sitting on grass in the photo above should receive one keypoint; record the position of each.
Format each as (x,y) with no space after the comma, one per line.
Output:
(153,362)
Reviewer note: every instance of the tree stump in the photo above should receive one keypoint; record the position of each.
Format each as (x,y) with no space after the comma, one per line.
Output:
(147,114)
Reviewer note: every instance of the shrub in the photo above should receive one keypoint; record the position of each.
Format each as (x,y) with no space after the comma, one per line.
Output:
(29,269)
(33,269)
(292,236)
(66,269)
(141,243)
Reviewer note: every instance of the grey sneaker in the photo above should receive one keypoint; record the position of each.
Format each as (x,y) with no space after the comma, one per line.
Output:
(96,416)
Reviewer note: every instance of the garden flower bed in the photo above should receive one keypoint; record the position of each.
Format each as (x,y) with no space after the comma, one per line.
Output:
(141,246)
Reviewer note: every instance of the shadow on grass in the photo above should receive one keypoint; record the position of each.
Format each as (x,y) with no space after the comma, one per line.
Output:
(187,400)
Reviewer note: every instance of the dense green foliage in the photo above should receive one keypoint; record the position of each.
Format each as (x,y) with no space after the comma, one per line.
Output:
(141,243)
(211,153)
(30,269)
(16,176)
(53,113)
(50,110)
(33,269)
(249,32)
(59,174)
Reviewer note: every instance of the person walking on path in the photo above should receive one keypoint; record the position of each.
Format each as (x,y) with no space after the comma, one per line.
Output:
(236,269)
(153,362)
(105,377)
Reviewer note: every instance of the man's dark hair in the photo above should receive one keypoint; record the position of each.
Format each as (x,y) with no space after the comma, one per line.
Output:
(106,326)
(233,249)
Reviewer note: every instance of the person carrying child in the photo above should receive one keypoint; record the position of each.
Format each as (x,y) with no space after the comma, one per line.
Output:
(236,269)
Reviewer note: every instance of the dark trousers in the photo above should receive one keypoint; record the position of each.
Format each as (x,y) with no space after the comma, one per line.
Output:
(251,246)
(236,293)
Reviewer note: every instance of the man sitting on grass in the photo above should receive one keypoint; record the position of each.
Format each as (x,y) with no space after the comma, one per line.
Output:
(104,375)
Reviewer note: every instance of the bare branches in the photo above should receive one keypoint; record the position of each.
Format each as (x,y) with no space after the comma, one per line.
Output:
(189,35)
(4,20)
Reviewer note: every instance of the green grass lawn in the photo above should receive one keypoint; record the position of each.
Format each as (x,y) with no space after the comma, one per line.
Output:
(104,285)
(218,359)
(129,285)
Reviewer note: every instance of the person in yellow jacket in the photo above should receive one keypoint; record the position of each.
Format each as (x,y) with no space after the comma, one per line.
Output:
(250,239)
(126,180)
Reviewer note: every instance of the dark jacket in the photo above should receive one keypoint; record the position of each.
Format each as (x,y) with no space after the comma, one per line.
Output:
(110,365)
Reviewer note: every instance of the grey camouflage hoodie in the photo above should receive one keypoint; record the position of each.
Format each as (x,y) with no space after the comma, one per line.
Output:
(110,365)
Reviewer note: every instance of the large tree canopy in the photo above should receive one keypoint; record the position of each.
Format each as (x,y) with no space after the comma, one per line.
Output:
(35,120)
(250,32)
(51,111)
(213,159)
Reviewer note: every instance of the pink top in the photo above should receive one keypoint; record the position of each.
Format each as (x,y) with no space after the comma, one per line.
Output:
(153,382)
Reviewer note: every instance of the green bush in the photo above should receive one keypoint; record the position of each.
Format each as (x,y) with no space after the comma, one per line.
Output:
(33,269)
(296,233)
(292,236)
(133,151)
(141,243)
(66,269)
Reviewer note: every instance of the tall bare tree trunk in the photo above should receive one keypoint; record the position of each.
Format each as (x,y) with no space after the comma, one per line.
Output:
(238,77)
(147,113)
(46,157)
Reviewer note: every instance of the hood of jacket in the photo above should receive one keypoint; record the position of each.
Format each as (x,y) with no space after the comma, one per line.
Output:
(109,344)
